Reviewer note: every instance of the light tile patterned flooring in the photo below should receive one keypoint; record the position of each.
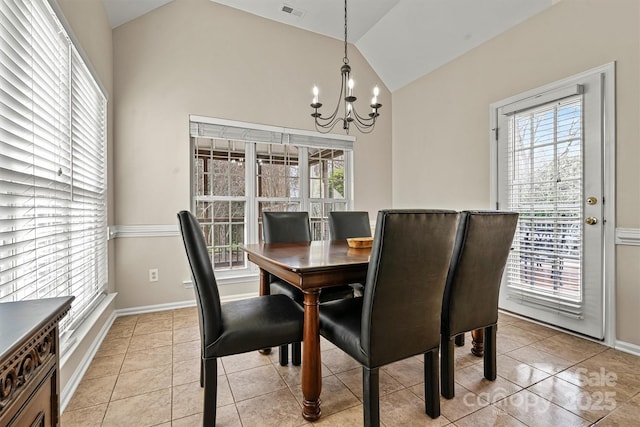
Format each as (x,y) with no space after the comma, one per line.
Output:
(146,373)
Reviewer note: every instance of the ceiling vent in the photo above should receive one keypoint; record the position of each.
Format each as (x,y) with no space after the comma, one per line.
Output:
(292,11)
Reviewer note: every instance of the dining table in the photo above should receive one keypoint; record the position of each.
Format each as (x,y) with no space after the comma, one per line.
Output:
(311,267)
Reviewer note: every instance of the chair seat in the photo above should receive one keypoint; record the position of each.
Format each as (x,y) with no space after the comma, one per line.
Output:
(341,323)
(256,323)
(279,287)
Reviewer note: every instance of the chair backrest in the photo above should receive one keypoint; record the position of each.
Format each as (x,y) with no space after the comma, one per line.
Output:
(347,224)
(208,298)
(286,227)
(405,282)
(479,257)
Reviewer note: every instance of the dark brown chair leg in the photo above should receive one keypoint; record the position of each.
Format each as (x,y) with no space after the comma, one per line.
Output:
(431,384)
(296,353)
(447,365)
(371,388)
(210,391)
(284,354)
(459,340)
(489,357)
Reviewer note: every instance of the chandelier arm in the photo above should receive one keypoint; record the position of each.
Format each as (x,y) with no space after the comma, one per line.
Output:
(366,128)
(329,123)
(328,118)
(363,120)
(326,128)
(334,115)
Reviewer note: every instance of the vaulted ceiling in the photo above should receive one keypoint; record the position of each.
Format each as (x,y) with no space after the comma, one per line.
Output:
(401,39)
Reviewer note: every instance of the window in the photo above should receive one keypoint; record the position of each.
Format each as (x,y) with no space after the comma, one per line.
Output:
(52,164)
(241,170)
(220,198)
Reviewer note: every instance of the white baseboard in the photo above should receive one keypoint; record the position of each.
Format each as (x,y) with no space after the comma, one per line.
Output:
(177,305)
(153,308)
(627,347)
(75,379)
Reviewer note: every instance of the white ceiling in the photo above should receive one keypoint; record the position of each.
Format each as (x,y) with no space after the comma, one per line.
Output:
(123,11)
(402,39)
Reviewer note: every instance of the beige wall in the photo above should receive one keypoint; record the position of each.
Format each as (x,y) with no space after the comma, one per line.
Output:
(199,57)
(90,26)
(441,121)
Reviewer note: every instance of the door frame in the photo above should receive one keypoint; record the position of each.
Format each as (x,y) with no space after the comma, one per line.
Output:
(607,71)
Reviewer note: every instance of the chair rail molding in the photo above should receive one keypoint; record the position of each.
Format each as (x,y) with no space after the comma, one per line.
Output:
(628,236)
(162,230)
(624,236)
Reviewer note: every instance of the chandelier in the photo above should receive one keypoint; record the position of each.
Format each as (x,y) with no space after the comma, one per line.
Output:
(346,99)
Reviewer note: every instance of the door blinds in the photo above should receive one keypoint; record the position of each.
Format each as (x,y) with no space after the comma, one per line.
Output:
(544,167)
(52,163)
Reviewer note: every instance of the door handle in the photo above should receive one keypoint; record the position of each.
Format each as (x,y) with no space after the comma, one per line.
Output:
(591,220)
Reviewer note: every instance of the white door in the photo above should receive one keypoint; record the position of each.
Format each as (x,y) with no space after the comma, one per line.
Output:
(550,170)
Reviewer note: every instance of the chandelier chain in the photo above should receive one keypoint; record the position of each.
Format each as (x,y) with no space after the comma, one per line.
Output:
(346,57)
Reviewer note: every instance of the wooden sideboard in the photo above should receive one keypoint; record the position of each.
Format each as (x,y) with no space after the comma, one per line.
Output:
(29,359)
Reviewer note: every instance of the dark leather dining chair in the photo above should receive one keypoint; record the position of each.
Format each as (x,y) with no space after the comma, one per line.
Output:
(470,301)
(290,227)
(237,326)
(399,315)
(348,224)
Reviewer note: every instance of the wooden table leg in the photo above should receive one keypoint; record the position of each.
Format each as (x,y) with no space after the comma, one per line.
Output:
(477,339)
(264,290)
(264,283)
(311,364)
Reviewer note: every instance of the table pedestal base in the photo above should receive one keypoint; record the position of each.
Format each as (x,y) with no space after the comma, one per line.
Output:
(311,366)
(477,339)
(311,410)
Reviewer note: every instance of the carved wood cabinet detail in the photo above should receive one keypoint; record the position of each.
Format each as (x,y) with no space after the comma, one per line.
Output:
(29,358)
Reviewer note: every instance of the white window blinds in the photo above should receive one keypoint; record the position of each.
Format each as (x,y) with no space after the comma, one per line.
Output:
(239,131)
(52,163)
(544,167)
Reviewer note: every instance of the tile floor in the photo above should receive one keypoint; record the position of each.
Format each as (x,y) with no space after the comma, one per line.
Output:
(146,373)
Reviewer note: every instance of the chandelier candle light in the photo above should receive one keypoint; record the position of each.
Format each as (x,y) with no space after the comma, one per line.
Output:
(363,123)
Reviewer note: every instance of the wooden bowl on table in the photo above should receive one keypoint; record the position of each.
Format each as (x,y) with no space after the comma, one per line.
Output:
(360,242)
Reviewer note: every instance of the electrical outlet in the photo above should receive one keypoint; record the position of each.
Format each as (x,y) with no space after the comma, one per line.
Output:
(153,274)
